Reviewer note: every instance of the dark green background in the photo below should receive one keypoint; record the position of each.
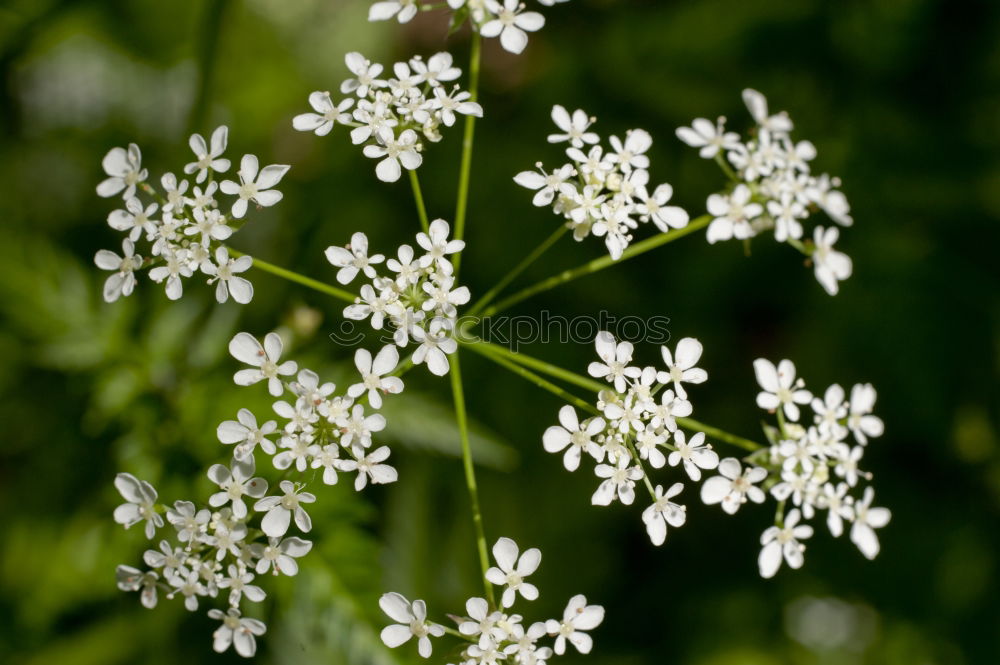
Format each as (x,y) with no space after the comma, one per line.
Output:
(901,99)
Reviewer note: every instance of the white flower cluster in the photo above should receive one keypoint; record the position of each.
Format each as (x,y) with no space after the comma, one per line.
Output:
(602,192)
(637,425)
(772,187)
(418,300)
(215,548)
(490,18)
(496,634)
(392,116)
(185,229)
(813,464)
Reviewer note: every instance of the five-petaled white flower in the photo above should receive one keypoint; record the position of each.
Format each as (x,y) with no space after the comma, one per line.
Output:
(280,509)
(831,266)
(141,498)
(575,437)
(732,215)
(781,390)
(783,542)
(866,520)
(663,512)
(860,420)
(245,433)
(696,454)
(616,356)
(619,482)
(577,617)
(511,22)
(734,486)
(574,127)
(122,281)
(225,272)
(235,483)
(374,375)
(124,169)
(326,116)
(403,10)
(353,258)
(412,620)
(236,630)
(404,149)
(245,348)
(280,555)
(710,138)
(370,467)
(681,365)
(208,159)
(510,571)
(255,184)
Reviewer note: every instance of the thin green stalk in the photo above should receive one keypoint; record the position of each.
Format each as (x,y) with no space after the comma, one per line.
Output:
(465,169)
(470,474)
(418,196)
(314,284)
(209,47)
(517,270)
(645,476)
(486,351)
(599,264)
(597,386)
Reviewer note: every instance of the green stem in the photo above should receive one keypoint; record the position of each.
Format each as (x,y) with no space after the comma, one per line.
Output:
(314,284)
(470,473)
(597,386)
(645,476)
(517,270)
(209,42)
(418,196)
(470,128)
(599,264)
(486,351)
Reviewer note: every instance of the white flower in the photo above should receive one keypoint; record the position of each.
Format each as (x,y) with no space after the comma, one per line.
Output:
(235,483)
(437,247)
(246,434)
(370,467)
(577,617)
(141,503)
(190,587)
(831,266)
(328,459)
(787,212)
(402,150)
(280,555)
(254,185)
(175,266)
(357,427)
(510,23)
(281,508)
(353,258)
(239,586)
(838,506)
(373,375)
(681,365)
(781,390)
(783,542)
(437,69)
(236,630)
(512,570)
(757,105)
(189,524)
(860,421)
(710,138)
(208,159)
(574,127)
(830,411)
(448,104)
(663,512)
(403,10)
(225,272)
(135,219)
(866,520)
(616,357)
(734,486)
(125,171)
(435,344)
(631,154)
(132,579)
(412,623)
(620,482)
(245,348)
(654,206)
(695,455)
(547,184)
(327,115)
(169,558)
(122,281)
(366,74)
(732,215)
(575,437)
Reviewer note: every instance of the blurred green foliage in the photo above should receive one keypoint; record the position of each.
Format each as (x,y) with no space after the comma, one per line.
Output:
(902,99)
